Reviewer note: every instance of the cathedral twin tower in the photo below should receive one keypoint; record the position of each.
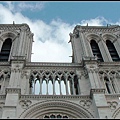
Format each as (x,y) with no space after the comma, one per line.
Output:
(89,87)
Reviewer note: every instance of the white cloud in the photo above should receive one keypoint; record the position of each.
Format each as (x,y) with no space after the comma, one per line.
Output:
(9,5)
(98,21)
(30,6)
(22,6)
(51,40)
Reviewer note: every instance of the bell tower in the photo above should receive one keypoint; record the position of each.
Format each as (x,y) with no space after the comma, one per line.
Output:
(15,49)
(15,40)
(97,48)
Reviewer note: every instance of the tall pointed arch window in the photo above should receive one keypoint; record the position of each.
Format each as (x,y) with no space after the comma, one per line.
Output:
(5,51)
(112,51)
(96,50)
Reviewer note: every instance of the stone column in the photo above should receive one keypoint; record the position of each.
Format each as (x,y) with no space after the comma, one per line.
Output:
(28,45)
(60,86)
(14,47)
(73,89)
(89,49)
(76,48)
(22,39)
(1,43)
(53,85)
(79,78)
(116,43)
(80,81)
(104,51)
(12,77)
(40,85)
(10,107)
(97,78)
(15,78)
(116,84)
(34,86)
(29,52)
(83,43)
(102,108)
(92,70)
(24,82)
(47,86)
(66,85)
(111,87)
(3,84)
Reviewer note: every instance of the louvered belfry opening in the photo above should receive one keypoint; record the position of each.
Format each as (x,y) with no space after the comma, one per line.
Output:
(5,51)
(112,51)
(96,50)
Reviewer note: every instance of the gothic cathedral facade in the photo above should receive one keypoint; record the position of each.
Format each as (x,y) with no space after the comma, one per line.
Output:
(88,87)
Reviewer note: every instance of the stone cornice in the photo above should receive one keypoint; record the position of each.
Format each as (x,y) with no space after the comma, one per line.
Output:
(18,58)
(109,64)
(112,28)
(2,97)
(13,90)
(50,64)
(13,26)
(36,97)
(110,96)
(97,91)
(4,63)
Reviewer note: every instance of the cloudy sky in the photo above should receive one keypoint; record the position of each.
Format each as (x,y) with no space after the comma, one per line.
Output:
(51,23)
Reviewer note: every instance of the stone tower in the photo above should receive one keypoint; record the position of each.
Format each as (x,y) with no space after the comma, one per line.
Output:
(88,87)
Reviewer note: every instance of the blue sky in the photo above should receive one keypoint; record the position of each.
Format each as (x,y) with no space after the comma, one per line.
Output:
(74,12)
(51,22)
(70,11)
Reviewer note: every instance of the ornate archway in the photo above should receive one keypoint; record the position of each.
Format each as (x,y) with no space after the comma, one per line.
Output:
(116,113)
(56,107)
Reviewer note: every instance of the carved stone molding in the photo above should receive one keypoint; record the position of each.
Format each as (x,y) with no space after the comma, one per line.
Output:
(25,103)
(87,58)
(24,28)
(16,69)
(26,74)
(118,35)
(13,90)
(92,70)
(11,27)
(36,97)
(85,73)
(97,91)
(109,64)
(85,103)
(2,104)
(5,64)
(53,72)
(111,96)
(4,74)
(55,116)
(112,104)
(94,36)
(111,73)
(56,105)
(18,59)
(2,97)
(95,29)
(48,64)
(116,113)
